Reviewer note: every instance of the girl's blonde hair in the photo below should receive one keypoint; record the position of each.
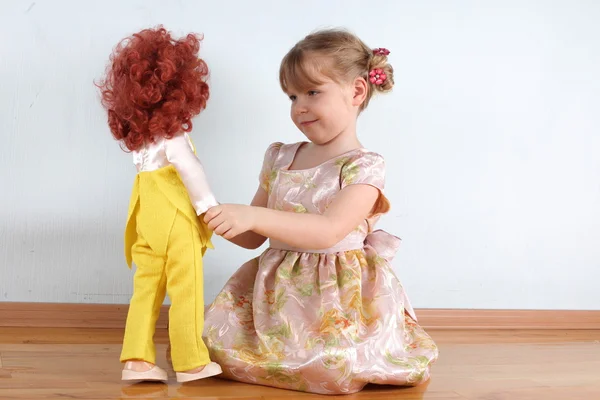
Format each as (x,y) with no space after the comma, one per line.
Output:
(338,55)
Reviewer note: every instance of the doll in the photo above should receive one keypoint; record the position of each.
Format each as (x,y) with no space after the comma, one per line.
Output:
(153,87)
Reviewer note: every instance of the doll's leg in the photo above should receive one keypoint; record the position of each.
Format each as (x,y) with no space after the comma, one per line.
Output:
(148,296)
(185,286)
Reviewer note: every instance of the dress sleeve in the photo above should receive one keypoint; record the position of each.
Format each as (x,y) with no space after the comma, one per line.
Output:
(367,169)
(268,172)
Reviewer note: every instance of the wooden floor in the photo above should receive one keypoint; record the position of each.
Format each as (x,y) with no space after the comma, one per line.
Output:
(68,363)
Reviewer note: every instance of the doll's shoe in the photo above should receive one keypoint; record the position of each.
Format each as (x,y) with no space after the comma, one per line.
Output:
(210,369)
(154,373)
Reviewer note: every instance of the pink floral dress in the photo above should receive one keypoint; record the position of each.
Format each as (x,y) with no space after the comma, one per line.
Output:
(321,321)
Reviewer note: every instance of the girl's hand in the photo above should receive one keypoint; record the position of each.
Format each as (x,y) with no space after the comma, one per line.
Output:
(230,220)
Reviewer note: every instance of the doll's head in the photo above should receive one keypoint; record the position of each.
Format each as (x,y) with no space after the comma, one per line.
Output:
(154,86)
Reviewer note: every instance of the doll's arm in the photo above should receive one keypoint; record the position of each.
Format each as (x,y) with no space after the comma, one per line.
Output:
(181,155)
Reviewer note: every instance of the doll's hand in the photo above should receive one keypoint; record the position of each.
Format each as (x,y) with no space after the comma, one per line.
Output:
(230,220)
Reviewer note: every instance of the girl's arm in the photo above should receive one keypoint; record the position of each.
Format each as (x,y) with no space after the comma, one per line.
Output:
(351,206)
(311,231)
(249,239)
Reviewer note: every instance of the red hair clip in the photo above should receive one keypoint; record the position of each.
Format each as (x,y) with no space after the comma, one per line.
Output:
(377,76)
(381,51)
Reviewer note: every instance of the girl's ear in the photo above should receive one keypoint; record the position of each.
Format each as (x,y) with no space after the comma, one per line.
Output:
(360,91)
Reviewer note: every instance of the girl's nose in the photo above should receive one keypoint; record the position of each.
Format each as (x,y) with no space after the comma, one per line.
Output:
(300,108)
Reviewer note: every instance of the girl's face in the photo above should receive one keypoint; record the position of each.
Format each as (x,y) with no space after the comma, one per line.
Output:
(327,110)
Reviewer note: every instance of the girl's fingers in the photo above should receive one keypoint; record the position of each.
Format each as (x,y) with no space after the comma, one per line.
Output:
(212,213)
(215,222)
(221,229)
(231,233)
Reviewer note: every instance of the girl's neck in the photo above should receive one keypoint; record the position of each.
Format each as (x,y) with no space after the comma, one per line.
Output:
(342,143)
(308,155)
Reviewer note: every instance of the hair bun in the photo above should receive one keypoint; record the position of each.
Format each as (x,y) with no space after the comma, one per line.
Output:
(381,73)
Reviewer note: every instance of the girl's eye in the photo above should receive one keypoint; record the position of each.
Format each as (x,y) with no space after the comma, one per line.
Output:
(312,92)
(292,97)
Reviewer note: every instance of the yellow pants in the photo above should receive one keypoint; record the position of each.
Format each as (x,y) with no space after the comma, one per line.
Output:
(178,273)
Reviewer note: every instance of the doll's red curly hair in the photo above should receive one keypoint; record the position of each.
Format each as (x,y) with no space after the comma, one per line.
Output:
(154,86)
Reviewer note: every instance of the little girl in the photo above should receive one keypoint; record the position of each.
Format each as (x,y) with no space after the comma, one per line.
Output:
(154,86)
(321,309)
